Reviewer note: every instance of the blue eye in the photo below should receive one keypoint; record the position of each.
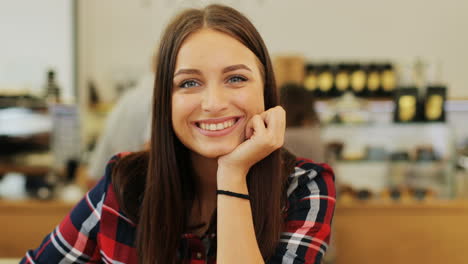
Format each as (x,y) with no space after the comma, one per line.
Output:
(188,84)
(237,79)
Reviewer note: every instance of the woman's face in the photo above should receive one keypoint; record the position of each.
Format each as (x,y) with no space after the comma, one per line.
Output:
(217,88)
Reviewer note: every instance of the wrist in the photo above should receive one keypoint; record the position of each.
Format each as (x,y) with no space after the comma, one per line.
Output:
(234,180)
(233,194)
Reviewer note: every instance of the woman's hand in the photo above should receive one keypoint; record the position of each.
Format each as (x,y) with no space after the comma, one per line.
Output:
(264,134)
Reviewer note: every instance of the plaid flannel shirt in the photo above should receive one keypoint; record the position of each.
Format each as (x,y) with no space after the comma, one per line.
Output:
(97,231)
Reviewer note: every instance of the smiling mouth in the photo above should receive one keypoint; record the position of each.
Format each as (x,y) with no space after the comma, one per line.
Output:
(217,126)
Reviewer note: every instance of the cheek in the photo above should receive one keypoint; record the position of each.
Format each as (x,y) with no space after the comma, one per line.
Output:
(181,108)
(174,112)
(252,100)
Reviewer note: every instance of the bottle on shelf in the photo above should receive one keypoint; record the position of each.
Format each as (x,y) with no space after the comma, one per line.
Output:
(358,79)
(406,98)
(434,102)
(388,79)
(435,94)
(373,80)
(342,78)
(311,79)
(52,90)
(406,105)
(325,80)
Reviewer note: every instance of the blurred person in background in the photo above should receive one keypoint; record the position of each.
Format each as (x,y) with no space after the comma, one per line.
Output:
(302,136)
(214,186)
(127,127)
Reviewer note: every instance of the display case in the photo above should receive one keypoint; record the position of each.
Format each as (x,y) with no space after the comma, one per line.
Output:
(397,184)
(380,157)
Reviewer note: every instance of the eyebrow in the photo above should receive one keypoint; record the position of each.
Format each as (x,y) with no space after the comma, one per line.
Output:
(227,69)
(236,67)
(187,71)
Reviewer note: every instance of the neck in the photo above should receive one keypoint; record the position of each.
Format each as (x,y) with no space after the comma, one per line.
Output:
(205,176)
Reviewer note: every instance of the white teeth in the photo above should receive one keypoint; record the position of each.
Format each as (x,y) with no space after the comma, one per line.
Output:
(218,126)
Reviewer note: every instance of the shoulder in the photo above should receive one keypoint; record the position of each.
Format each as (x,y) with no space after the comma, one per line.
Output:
(126,174)
(114,160)
(110,165)
(309,178)
(308,166)
(90,209)
(100,192)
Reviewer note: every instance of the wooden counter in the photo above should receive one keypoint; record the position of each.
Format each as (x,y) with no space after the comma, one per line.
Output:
(432,232)
(25,223)
(424,232)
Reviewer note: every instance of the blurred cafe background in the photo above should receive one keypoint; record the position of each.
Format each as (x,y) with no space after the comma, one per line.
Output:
(387,80)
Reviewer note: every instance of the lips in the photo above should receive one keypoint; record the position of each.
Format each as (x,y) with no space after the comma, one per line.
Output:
(218,126)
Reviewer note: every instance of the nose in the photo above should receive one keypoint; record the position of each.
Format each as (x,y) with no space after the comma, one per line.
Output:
(214,99)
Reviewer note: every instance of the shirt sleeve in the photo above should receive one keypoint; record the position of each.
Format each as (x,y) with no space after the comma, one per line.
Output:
(74,239)
(311,204)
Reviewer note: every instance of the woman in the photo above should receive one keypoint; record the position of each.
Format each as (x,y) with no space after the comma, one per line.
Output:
(214,185)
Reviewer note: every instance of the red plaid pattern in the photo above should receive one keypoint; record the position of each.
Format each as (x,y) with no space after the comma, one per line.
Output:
(96,230)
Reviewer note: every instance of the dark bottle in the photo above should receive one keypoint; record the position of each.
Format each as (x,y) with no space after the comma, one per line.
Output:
(433,109)
(52,90)
(388,79)
(373,80)
(434,104)
(342,78)
(311,79)
(93,94)
(406,105)
(358,79)
(325,80)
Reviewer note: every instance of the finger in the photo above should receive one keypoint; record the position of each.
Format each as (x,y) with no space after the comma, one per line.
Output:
(268,115)
(275,120)
(258,125)
(249,129)
(278,126)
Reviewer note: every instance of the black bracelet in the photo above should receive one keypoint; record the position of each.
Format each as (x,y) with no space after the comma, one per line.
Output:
(233,194)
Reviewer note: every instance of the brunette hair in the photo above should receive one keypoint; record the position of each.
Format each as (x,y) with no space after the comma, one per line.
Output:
(163,200)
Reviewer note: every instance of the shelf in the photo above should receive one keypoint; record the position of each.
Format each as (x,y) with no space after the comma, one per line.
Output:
(27,170)
(34,205)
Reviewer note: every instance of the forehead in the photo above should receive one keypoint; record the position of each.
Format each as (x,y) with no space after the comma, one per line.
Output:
(211,48)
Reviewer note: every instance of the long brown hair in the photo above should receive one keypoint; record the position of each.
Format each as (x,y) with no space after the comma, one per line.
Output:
(164,199)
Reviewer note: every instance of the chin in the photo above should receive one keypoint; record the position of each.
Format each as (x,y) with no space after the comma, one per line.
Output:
(216,152)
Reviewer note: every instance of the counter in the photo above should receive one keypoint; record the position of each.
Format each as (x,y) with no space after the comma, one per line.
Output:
(25,223)
(414,232)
